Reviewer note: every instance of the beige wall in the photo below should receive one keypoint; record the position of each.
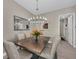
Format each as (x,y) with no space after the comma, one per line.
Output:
(10,9)
(53,21)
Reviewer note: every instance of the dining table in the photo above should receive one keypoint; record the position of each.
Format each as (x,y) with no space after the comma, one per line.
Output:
(31,45)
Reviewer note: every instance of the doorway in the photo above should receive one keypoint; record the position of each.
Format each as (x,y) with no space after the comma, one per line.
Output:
(67,28)
(64,28)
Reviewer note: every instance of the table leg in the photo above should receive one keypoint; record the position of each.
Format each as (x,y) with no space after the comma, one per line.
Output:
(35,56)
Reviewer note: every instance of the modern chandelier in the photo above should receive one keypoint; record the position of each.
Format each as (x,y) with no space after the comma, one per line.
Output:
(38,17)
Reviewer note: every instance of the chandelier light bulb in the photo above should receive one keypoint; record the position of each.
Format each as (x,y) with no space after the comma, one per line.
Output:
(45,18)
(40,17)
(33,17)
(37,17)
(29,19)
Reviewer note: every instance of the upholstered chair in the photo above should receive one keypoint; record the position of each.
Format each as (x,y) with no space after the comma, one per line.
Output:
(50,50)
(21,36)
(13,53)
(4,54)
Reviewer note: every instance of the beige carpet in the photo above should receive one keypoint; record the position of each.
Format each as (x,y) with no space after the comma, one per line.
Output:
(66,51)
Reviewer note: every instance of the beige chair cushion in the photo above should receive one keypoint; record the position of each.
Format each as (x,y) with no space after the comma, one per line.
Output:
(13,53)
(21,36)
(14,38)
(11,50)
(24,54)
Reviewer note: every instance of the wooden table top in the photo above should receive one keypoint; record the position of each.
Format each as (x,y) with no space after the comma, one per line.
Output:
(32,46)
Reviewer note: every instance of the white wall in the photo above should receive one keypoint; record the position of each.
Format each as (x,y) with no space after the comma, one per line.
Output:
(11,8)
(53,21)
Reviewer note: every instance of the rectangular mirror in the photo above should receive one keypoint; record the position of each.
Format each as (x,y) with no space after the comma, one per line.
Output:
(21,23)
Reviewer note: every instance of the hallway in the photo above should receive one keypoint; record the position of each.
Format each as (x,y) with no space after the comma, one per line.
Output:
(66,51)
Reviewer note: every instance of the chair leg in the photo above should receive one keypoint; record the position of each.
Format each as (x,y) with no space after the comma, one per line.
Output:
(55,57)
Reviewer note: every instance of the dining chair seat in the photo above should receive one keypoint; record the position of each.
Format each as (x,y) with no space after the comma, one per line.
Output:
(24,54)
(46,52)
(13,53)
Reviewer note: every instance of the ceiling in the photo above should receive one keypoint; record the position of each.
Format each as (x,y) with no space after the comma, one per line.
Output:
(45,5)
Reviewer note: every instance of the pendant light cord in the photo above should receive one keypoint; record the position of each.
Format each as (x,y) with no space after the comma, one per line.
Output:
(37,5)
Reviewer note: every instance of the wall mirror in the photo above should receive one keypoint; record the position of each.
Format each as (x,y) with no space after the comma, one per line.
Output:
(21,23)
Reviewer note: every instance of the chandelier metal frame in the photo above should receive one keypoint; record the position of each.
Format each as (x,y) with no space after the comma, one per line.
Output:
(38,17)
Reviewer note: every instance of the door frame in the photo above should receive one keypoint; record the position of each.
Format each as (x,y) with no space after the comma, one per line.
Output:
(64,16)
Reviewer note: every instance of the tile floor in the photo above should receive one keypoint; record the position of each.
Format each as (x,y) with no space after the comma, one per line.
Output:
(66,51)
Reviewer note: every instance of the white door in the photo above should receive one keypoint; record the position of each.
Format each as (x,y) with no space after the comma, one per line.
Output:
(66,29)
(70,34)
(74,31)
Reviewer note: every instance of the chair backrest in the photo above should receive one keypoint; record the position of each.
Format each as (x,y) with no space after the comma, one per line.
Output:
(11,50)
(21,36)
(56,41)
(14,39)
